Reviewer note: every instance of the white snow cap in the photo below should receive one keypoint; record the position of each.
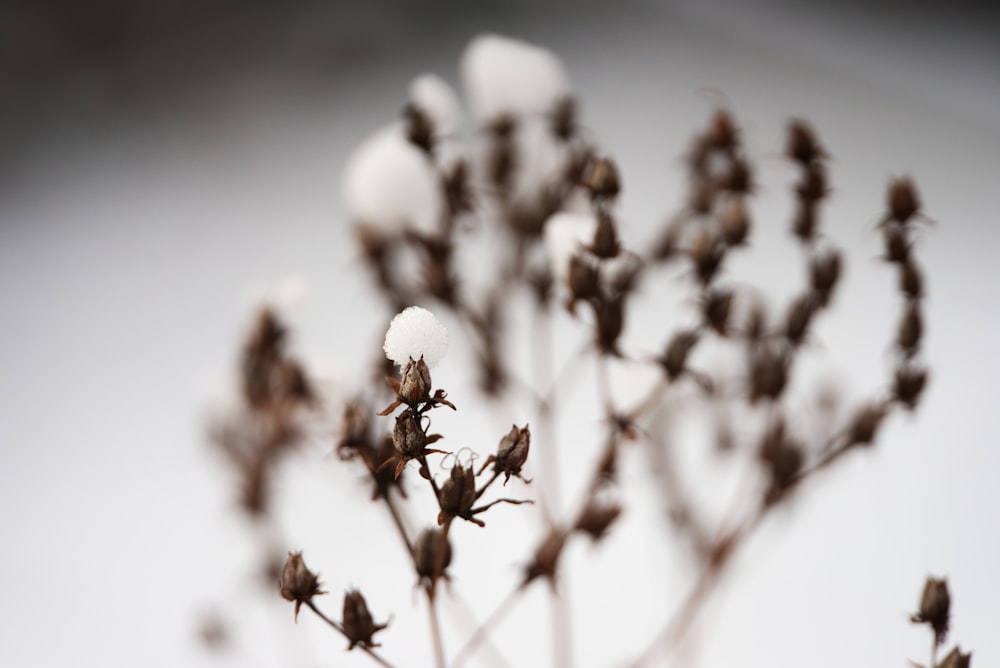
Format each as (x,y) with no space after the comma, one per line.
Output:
(413,332)
(565,234)
(432,95)
(391,184)
(507,76)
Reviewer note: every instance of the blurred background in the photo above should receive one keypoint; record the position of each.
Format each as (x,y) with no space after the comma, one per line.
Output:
(165,164)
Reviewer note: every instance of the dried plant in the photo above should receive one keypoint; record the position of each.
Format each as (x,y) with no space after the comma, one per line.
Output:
(544,195)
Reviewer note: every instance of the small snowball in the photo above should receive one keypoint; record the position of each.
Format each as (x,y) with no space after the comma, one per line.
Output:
(508,76)
(415,332)
(565,234)
(433,96)
(390,184)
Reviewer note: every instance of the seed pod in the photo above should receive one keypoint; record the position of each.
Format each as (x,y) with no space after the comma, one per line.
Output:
(354,430)
(768,373)
(734,222)
(408,437)
(458,493)
(601,179)
(903,200)
(800,314)
(956,659)
(546,558)
(783,458)
(674,360)
(911,329)
(911,283)
(805,221)
(802,145)
(416,384)
(824,272)
(610,315)
(512,452)
(428,550)
(564,119)
(605,237)
(722,132)
(583,277)
(419,128)
(897,247)
(597,518)
(865,423)
(813,186)
(707,252)
(738,178)
(935,608)
(716,309)
(908,385)
(297,582)
(359,627)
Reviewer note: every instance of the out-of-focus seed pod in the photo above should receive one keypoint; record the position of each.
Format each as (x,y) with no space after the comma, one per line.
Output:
(546,558)
(935,608)
(601,179)
(911,283)
(908,384)
(802,145)
(297,582)
(359,627)
(597,518)
(903,200)
(674,359)
(911,329)
(865,423)
(735,222)
(824,272)
(428,550)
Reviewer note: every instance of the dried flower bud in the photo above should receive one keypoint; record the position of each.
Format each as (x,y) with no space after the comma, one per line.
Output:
(783,458)
(674,360)
(597,518)
(707,252)
(722,132)
(935,608)
(605,237)
(768,373)
(297,582)
(865,424)
(735,222)
(408,437)
(802,145)
(359,627)
(813,186)
(354,430)
(431,561)
(458,493)
(911,328)
(738,178)
(583,277)
(903,201)
(716,309)
(601,179)
(824,274)
(805,221)
(546,558)
(512,452)
(800,314)
(416,383)
(908,385)
(956,659)
(897,246)
(911,283)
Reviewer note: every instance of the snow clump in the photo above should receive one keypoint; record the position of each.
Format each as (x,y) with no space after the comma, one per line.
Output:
(414,332)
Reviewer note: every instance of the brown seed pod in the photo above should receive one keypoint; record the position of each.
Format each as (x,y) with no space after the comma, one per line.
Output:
(734,222)
(935,608)
(428,553)
(908,384)
(297,582)
(674,359)
(911,328)
(802,145)
(903,200)
(359,627)
(601,179)
(911,283)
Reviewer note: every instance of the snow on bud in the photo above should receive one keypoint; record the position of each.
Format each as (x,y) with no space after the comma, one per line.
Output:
(415,333)
(390,185)
(433,96)
(508,77)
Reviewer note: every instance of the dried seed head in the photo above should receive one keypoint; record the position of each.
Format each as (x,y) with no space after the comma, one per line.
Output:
(783,458)
(813,186)
(297,582)
(768,373)
(674,359)
(805,221)
(865,424)
(546,558)
(261,360)
(359,627)
(897,246)
(355,430)
(735,222)
(911,329)
(706,252)
(458,493)
(716,309)
(802,145)
(512,452)
(738,178)
(597,518)
(911,283)
(606,242)
(824,273)
(601,179)
(431,560)
(909,384)
(903,200)
(408,437)
(416,383)
(800,314)
(722,133)
(935,608)
(956,659)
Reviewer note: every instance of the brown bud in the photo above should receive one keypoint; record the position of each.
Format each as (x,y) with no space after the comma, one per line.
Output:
(911,283)
(408,437)
(430,560)
(956,659)
(909,384)
(813,186)
(597,518)
(359,627)
(546,558)
(716,309)
(865,424)
(738,178)
(605,237)
(354,430)
(601,179)
(665,245)
(297,582)
(783,458)
(458,493)
(707,252)
(800,314)
(903,201)
(610,315)
(802,145)
(935,608)
(768,373)
(824,273)
(722,132)
(911,329)
(512,452)
(805,221)
(416,383)
(897,247)
(734,222)
(674,360)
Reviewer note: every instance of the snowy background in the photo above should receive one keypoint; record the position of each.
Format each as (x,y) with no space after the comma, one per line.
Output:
(163,166)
